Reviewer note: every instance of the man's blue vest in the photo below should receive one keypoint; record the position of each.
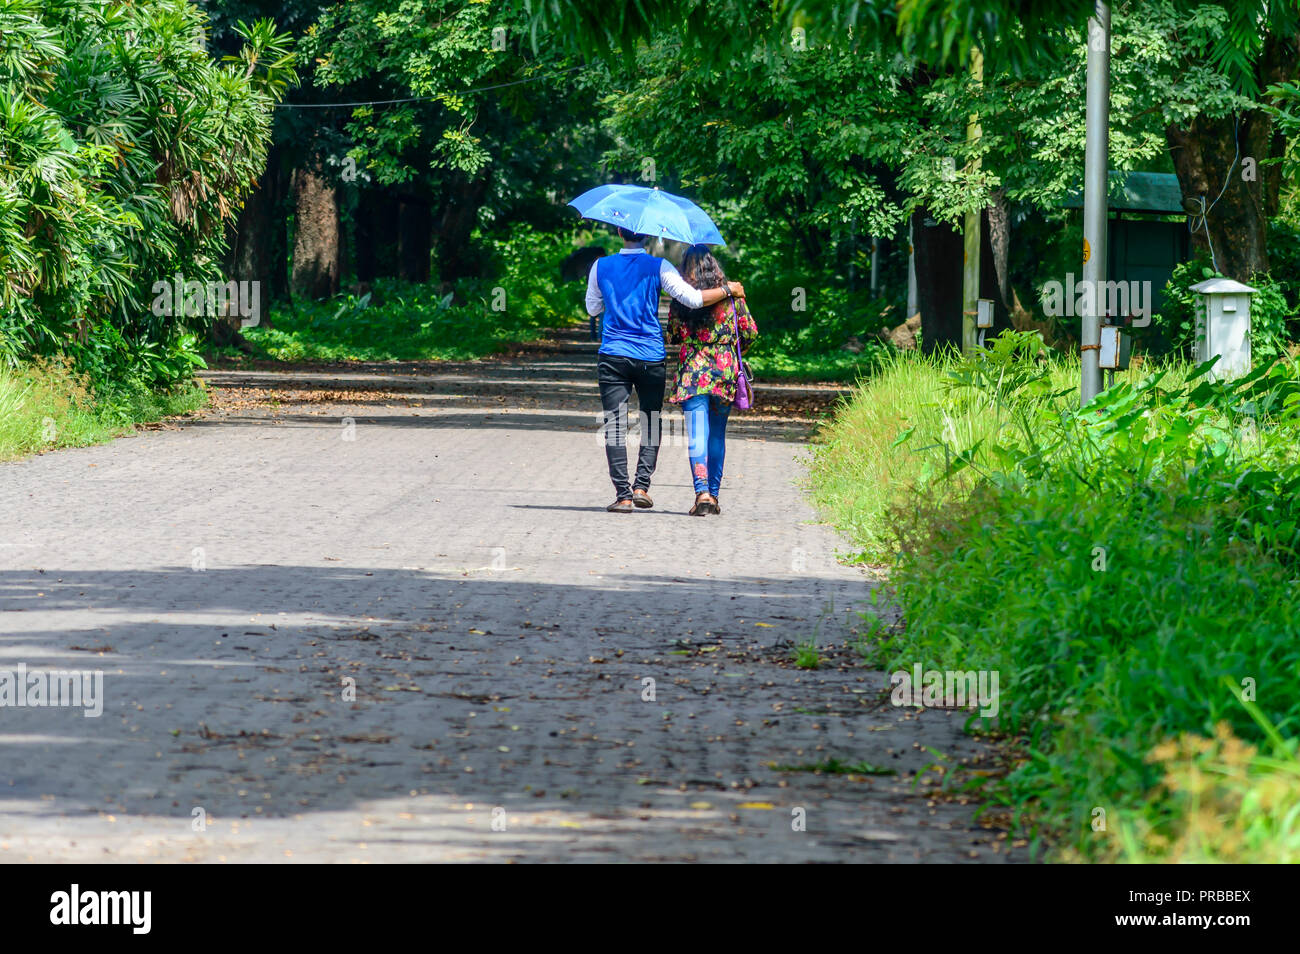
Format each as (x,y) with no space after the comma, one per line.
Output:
(629,285)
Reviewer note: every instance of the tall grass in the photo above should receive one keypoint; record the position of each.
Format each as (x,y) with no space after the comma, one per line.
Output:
(899,434)
(1227,802)
(46,405)
(866,466)
(1115,564)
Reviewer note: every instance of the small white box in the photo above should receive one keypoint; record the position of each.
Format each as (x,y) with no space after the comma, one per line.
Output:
(1223,326)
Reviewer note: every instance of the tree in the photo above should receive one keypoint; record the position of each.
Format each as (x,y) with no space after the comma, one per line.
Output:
(1228,148)
(467,123)
(829,137)
(124,150)
(1219,73)
(258,237)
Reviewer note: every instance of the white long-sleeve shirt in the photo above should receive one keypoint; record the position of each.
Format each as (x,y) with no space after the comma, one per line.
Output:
(669,278)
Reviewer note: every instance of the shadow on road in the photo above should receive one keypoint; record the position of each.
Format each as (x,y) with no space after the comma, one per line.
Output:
(482,689)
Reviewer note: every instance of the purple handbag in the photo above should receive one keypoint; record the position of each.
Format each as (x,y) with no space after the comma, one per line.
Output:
(744,393)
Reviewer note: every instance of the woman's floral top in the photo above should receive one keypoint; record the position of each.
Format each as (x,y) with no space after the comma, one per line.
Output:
(706,363)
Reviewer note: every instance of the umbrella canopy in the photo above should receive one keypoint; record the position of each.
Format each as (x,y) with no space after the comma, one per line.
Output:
(649,212)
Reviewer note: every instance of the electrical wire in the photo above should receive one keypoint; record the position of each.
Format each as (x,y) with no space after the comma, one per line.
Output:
(1196,223)
(421,99)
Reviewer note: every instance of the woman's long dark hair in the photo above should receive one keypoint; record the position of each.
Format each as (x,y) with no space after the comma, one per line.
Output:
(700,270)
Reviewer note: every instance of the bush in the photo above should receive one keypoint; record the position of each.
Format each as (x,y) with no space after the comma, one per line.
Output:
(403,321)
(124,151)
(47,404)
(1116,564)
(810,344)
(869,462)
(1272,318)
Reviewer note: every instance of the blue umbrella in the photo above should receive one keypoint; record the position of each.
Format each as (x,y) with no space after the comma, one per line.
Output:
(649,212)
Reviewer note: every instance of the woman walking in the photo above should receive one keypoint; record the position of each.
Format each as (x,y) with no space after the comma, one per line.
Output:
(712,339)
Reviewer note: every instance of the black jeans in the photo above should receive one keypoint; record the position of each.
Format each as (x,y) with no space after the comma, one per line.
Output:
(618,377)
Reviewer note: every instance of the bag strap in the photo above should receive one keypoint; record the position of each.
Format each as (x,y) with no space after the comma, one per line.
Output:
(735,318)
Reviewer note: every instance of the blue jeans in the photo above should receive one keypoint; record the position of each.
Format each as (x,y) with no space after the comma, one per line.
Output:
(706,428)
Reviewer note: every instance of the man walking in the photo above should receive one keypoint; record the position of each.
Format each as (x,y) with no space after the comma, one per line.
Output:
(624,290)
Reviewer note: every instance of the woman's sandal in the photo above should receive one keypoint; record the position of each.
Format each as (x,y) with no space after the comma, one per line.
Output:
(704,505)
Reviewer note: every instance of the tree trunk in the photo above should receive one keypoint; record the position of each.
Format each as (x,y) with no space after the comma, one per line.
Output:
(316,235)
(1213,156)
(997,230)
(459,217)
(995,245)
(277,180)
(938,251)
(414,240)
(256,250)
(376,242)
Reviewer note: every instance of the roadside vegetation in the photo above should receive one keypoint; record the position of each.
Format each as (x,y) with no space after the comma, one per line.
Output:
(1128,569)
(125,151)
(45,405)
(396,320)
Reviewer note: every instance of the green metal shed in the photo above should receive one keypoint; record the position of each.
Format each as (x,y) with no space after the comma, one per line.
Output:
(1142,244)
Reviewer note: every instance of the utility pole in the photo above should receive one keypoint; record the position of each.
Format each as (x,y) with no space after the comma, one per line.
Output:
(912,295)
(970,273)
(1095,165)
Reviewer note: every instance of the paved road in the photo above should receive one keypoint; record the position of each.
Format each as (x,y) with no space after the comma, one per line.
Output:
(432,540)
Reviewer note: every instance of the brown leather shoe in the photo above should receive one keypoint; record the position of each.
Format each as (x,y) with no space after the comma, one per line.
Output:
(623,505)
(642,499)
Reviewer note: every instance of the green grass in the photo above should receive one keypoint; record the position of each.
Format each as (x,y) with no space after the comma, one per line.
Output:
(840,367)
(44,405)
(1115,566)
(405,322)
(863,471)
(806,655)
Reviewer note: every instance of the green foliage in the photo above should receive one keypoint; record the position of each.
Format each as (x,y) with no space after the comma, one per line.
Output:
(805,152)
(432,50)
(806,655)
(124,152)
(1115,563)
(1284,257)
(469,114)
(47,404)
(803,141)
(1014,36)
(401,321)
(1176,320)
(1272,318)
(1225,802)
(811,344)
(867,464)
